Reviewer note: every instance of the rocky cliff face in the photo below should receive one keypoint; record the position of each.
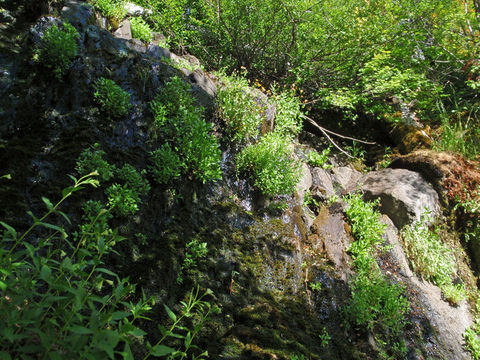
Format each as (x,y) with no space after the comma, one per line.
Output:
(260,260)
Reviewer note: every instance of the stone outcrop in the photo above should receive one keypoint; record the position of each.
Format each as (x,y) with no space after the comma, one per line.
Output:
(404,195)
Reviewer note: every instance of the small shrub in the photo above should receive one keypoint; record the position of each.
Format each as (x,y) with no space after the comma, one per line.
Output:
(133,179)
(316,159)
(472,342)
(141,30)
(238,107)
(288,120)
(271,164)
(122,200)
(113,100)
(166,164)
(194,251)
(91,160)
(112,9)
(58,48)
(180,121)
(431,258)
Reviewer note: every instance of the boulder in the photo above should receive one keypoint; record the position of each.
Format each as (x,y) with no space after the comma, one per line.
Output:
(304,184)
(124,30)
(78,13)
(345,178)
(322,184)
(404,195)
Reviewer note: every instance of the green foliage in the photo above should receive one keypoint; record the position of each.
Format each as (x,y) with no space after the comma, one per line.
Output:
(180,123)
(58,301)
(194,251)
(166,164)
(431,258)
(122,200)
(325,337)
(113,100)
(199,312)
(58,47)
(472,343)
(288,117)
(315,286)
(375,302)
(91,160)
(239,108)
(141,30)
(271,164)
(112,9)
(133,179)
(316,159)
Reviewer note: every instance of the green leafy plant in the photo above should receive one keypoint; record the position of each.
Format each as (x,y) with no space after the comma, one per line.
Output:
(325,337)
(271,164)
(180,122)
(239,108)
(91,160)
(316,159)
(472,342)
(113,100)
(310,201)
(141,30)
(58,47)
(114,10)
(431,258)
(376,302)
(166,164)
(58,300)
(194,251)
(315,286)
(122,200)
(288,117)
(133,179)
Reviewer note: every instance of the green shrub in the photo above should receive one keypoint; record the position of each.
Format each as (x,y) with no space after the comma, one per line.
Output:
(316,159)
(133,179)
(238,107)
(59,301)
(141,30)
(91,160)
(122,200)
(166,164)
(288,120)
(113,100)
(194,251)
(58,48)
(375,302)
(472,342)
(112,9)
(431,258)
(271,164)
(180,122)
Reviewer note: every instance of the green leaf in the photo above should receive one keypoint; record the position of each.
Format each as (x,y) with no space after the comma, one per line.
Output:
(54,227)
(77,329)
(127,352)
(137,332)
(106,271)
(10,230)
(118,315)
(45,273)
(47,203)
(4,356)
(170,313)
(161,350)
(3,287)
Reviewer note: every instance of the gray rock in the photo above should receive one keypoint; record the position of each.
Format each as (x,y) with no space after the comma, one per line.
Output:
(404,194)
(38,30)
(78,13)
(304,184)
(345,178)
(158,52)
(124,30)
(322,183)
(136,10)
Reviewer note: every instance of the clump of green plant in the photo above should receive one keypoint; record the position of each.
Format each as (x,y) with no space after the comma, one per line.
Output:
(316,159)
(166,164)
(125,199)
(179,122)
(141,30)
(58,47)
(472,342)
(239,108)
(91,160)
(325,337)
(310,201)
(431,258)
(376,302)
(271,164)
(288,117)
(315,286)
(113,100)
(194,251)
(114,10)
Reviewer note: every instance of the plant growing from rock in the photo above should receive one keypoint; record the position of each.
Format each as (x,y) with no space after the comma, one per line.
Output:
(194,251)
(166,164)
(288,116)
(270,163)
(58,47)
(113,100)
(91,160)
(376,303)
(431,258)
(141,30)
(114,10)
(316,159)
